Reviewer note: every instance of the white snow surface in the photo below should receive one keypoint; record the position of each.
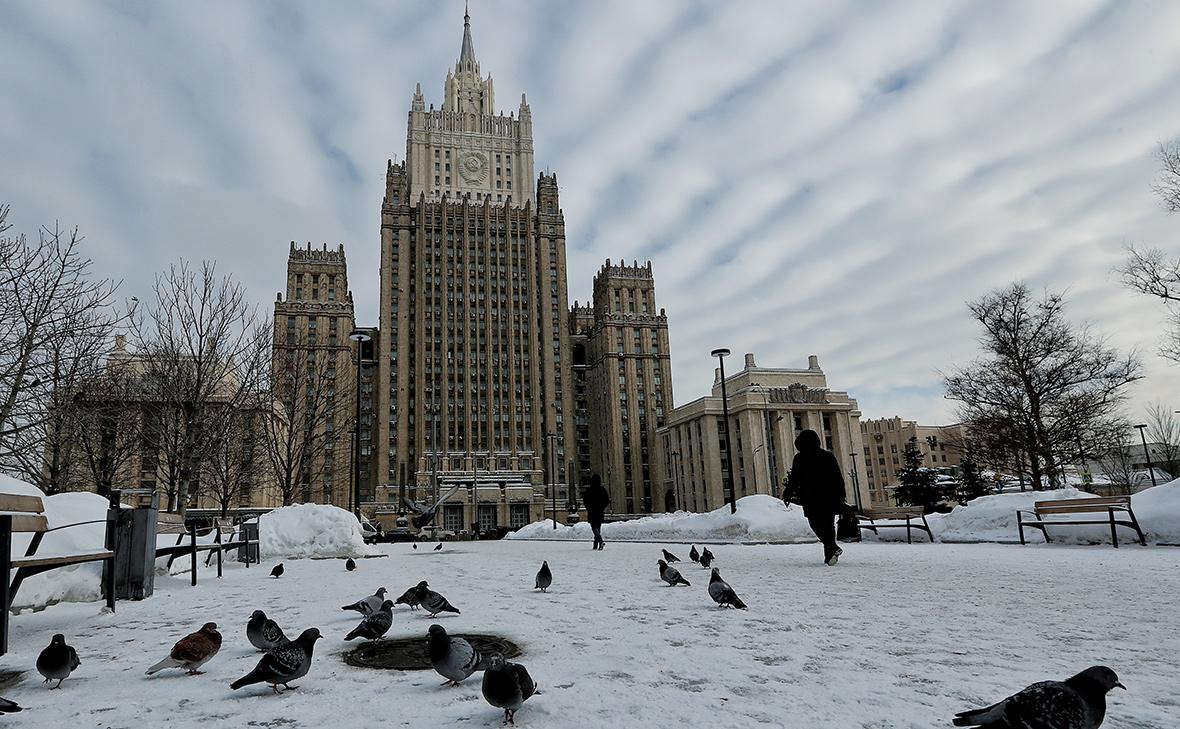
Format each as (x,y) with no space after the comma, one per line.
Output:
(311,530)
(986,519)
(894,637)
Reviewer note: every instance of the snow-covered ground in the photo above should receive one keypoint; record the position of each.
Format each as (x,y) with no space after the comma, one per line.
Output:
(896,636)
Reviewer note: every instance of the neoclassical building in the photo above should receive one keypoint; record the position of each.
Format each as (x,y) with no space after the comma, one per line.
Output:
(768,407)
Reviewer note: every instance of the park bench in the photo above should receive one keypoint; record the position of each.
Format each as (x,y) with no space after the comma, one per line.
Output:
(895,513)
(26,514)
(168,523)
(1108,505)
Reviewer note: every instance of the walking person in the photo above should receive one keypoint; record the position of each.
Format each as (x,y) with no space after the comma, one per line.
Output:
(818,486)
(596,500)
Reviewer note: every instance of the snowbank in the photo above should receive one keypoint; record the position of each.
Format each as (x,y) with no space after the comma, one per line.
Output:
(76,583)
(1158,512)
(311,530)
(759,518)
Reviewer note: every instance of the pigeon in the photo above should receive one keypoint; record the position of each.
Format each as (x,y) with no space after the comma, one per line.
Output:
(507,686)
(375,624)
(722,593)
(277,571)
(415,545)
(370,604)
(57,661)
(9,707)
(693,554)
(669,556)
(453,658)
(544,578)
(706,558)
(439,547)
(350,565)
(264,633)
(192,651)
(434,603)
(412,596)
(1075,703)
(671,575)
(283,664)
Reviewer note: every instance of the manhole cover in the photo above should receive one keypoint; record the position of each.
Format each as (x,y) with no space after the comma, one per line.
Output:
(409,654)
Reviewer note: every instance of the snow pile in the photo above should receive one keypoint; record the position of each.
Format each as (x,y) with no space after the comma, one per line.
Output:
(1158,512)
(759,518)
(993,519)
(311,530)
(75,583)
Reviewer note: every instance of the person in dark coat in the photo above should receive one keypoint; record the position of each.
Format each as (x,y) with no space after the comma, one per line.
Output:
(596,499)
(817,484)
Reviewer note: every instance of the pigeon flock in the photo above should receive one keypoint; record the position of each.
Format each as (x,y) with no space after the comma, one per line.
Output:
(1078,702)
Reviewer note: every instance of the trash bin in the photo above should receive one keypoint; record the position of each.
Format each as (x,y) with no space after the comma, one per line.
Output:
(134,542)
(249,551)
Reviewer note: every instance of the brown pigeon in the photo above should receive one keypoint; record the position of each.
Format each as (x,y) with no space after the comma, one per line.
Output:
(192,651)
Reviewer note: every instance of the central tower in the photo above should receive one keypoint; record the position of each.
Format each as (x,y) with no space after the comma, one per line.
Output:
(466,147)
(473,298)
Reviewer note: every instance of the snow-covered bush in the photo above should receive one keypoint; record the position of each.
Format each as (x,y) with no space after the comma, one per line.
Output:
(311,530)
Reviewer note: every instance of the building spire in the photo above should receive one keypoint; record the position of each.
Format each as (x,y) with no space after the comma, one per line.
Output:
(467,53)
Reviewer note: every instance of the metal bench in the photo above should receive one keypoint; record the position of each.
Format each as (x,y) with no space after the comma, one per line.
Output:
(895,513)
(26,514)
(1108,505)
(174,524)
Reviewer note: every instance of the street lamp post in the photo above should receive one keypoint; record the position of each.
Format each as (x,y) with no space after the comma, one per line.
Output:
(855,481)
(360,338)
(675,479)
(721,353)
(1146,454)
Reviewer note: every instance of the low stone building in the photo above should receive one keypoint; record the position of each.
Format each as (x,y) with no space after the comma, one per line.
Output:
(768,407)
(884,444)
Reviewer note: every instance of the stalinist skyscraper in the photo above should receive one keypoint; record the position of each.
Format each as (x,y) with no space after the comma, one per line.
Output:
(474,339)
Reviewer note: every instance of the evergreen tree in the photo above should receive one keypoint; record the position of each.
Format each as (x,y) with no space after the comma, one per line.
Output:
(917,485)
(971,484)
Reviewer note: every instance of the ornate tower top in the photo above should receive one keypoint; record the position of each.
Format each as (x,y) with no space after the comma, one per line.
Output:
(466,90)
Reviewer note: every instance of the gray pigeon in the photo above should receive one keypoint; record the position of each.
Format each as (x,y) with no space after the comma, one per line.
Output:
(264,633)
(277,570)
(722,593)
(669,556)
(706,558)
(544,578)
(9,707)
(693,554)
(671,575)
(57,661)
(434,603)
(412,596)
(439,547)
(507,686)
(415,545)
(283,664)
(370,604)
(453,658)
(375,624)
(350,565)
(1078,702)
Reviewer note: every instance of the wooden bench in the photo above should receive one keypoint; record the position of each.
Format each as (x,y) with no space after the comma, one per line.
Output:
(173,524)
(26,514)
(896,513)
(1108,505)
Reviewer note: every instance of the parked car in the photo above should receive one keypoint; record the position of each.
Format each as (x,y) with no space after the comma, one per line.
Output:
(370,532)
(398,534)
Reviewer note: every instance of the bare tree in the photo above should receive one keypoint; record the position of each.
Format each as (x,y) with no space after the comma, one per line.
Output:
(1163,428)
(199,344)
(1044,385)
(1168,184)
(109,420)
(230,468)
(55,318)
(300,442)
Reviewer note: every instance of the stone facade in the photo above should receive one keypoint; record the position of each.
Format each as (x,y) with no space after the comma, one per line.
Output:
(623,385)
(473,384)
(884,442)
(768,407)
(314,371)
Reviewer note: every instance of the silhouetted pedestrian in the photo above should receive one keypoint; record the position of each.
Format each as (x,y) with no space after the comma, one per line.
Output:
(817,484)
(596,499)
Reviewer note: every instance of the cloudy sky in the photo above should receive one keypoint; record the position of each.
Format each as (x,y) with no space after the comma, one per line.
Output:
(807,177)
